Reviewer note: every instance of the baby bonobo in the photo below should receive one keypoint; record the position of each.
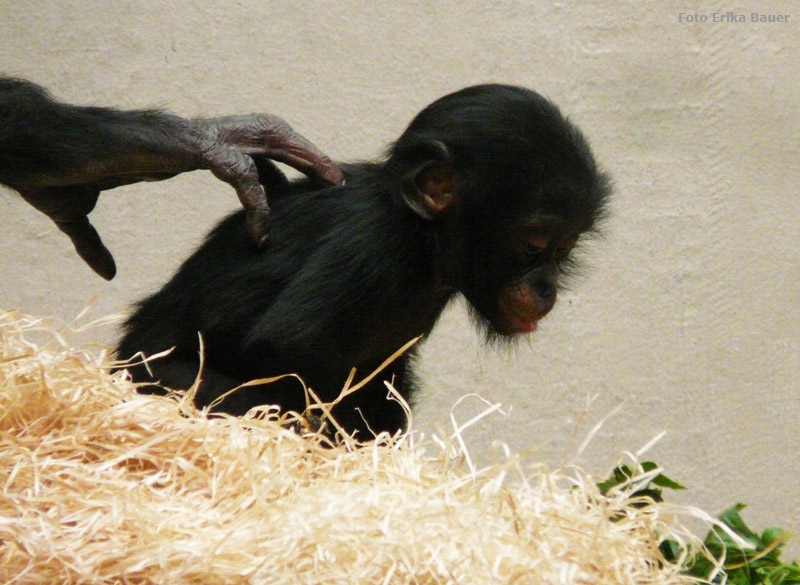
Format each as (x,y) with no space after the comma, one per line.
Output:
(485,194)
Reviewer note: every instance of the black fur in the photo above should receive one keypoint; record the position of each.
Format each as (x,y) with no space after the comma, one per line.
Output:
(352,273)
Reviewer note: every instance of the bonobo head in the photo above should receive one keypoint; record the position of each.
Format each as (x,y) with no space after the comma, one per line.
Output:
(508,185)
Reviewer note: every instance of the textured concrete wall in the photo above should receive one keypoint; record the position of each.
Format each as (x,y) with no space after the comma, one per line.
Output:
(689,310)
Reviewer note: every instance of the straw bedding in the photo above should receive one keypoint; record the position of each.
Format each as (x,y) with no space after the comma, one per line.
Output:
(102,485)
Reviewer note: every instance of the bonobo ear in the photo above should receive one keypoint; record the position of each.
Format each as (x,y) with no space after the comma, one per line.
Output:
(428,188)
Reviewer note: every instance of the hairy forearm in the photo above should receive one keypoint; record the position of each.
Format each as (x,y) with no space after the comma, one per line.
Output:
(46,143)
(60,157)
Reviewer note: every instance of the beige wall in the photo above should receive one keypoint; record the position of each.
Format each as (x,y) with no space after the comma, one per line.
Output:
(689,310)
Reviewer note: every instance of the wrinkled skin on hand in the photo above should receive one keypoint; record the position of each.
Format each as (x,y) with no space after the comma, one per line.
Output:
(235,147)
(60,157)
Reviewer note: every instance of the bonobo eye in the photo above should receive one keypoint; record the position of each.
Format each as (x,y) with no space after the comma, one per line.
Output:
(539,248)
(563,251)
(536,245)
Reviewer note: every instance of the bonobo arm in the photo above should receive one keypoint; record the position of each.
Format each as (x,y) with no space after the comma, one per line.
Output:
(59,157)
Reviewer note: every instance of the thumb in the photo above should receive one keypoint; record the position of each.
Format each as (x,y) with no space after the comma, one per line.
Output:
(89,246)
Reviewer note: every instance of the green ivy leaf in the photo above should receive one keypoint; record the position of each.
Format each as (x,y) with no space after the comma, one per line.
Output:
(758,565)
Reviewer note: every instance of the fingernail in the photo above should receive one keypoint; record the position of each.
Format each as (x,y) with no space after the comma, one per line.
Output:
(334,176)
(258,224)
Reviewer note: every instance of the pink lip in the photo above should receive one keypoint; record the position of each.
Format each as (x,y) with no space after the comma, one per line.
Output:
(517,323)
(524,326)
(518,319)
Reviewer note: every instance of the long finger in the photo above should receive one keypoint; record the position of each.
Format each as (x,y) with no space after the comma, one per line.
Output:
(288,146)
(240,171)
(89,246)
(299,153)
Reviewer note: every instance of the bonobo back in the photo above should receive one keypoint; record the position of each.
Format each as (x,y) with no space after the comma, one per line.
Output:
(345,280)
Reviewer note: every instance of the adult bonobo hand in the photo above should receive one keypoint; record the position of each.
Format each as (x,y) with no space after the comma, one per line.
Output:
(60,157)
(235,148)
